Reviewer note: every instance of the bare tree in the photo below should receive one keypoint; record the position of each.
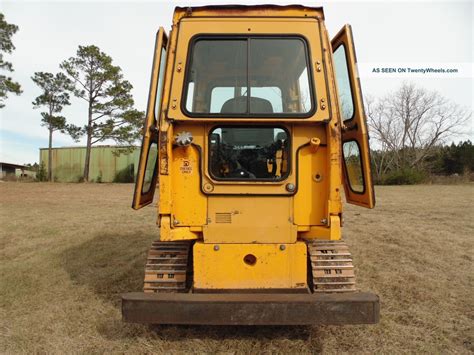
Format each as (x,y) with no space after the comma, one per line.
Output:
(409,124)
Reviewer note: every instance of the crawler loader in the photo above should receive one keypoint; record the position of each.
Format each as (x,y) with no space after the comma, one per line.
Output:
(255,124)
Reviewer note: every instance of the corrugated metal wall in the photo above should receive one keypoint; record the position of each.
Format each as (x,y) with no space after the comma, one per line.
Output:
(105,166)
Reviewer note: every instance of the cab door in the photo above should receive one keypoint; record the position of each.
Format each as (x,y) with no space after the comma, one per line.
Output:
(355,140)
(147,167)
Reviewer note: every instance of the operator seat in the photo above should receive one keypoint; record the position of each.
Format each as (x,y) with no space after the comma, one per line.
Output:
(249,158)
(239,105)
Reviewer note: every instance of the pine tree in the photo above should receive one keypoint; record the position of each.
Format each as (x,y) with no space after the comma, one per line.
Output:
(110,103)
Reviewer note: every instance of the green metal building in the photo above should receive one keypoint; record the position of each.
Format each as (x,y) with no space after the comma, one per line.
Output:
(108,163)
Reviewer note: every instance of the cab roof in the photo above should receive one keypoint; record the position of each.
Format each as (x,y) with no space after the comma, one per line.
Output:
(248,11)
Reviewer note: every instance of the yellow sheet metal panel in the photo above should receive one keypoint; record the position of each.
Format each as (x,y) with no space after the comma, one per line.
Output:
(250,266)
(335,227)
(189,203)
(310,201)
(168,234)
(174,234)
(249,219)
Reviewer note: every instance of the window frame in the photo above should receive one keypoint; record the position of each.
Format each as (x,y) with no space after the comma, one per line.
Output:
(248,38)
(222,125)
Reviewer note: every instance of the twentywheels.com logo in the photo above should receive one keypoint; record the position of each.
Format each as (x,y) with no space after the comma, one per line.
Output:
(458,70)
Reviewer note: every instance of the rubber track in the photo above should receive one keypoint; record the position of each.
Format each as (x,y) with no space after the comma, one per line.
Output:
(166,267)
(331,264)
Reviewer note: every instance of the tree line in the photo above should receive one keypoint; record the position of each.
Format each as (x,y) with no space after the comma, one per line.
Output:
(452,161)
(91,76)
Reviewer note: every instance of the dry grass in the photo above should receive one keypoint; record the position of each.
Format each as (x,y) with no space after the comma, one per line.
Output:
(67,251)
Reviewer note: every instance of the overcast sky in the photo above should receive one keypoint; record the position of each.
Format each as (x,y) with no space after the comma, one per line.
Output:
(397,34)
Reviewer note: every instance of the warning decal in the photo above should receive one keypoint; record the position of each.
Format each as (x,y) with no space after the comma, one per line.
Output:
(186,167)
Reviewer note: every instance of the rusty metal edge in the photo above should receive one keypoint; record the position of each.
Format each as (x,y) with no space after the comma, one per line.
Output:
(251,309)
(250,7)
(248,11)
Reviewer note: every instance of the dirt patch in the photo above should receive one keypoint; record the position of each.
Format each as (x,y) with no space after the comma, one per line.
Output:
(69,250)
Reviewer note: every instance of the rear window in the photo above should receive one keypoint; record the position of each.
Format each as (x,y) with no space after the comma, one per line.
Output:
(249,153)
(220,95)
(248,76)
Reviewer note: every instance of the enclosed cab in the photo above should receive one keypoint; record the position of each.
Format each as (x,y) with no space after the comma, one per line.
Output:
(255,124)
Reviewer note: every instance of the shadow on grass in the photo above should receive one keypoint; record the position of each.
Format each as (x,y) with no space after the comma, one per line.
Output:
(109,264)
(112,264)
(242,332)
(117,330)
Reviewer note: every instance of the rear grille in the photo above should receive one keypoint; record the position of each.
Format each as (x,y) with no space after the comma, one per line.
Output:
(223,218)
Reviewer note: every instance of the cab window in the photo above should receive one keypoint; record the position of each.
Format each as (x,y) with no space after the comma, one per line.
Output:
(150,167)
(346,102)
(220,95)
(353,164)
(159,88)
(249,153)
(250,76)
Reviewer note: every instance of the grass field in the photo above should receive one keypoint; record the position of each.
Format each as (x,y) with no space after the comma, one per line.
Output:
(67,251)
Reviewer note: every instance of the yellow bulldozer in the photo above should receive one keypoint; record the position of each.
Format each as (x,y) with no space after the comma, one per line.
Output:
(255,123)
